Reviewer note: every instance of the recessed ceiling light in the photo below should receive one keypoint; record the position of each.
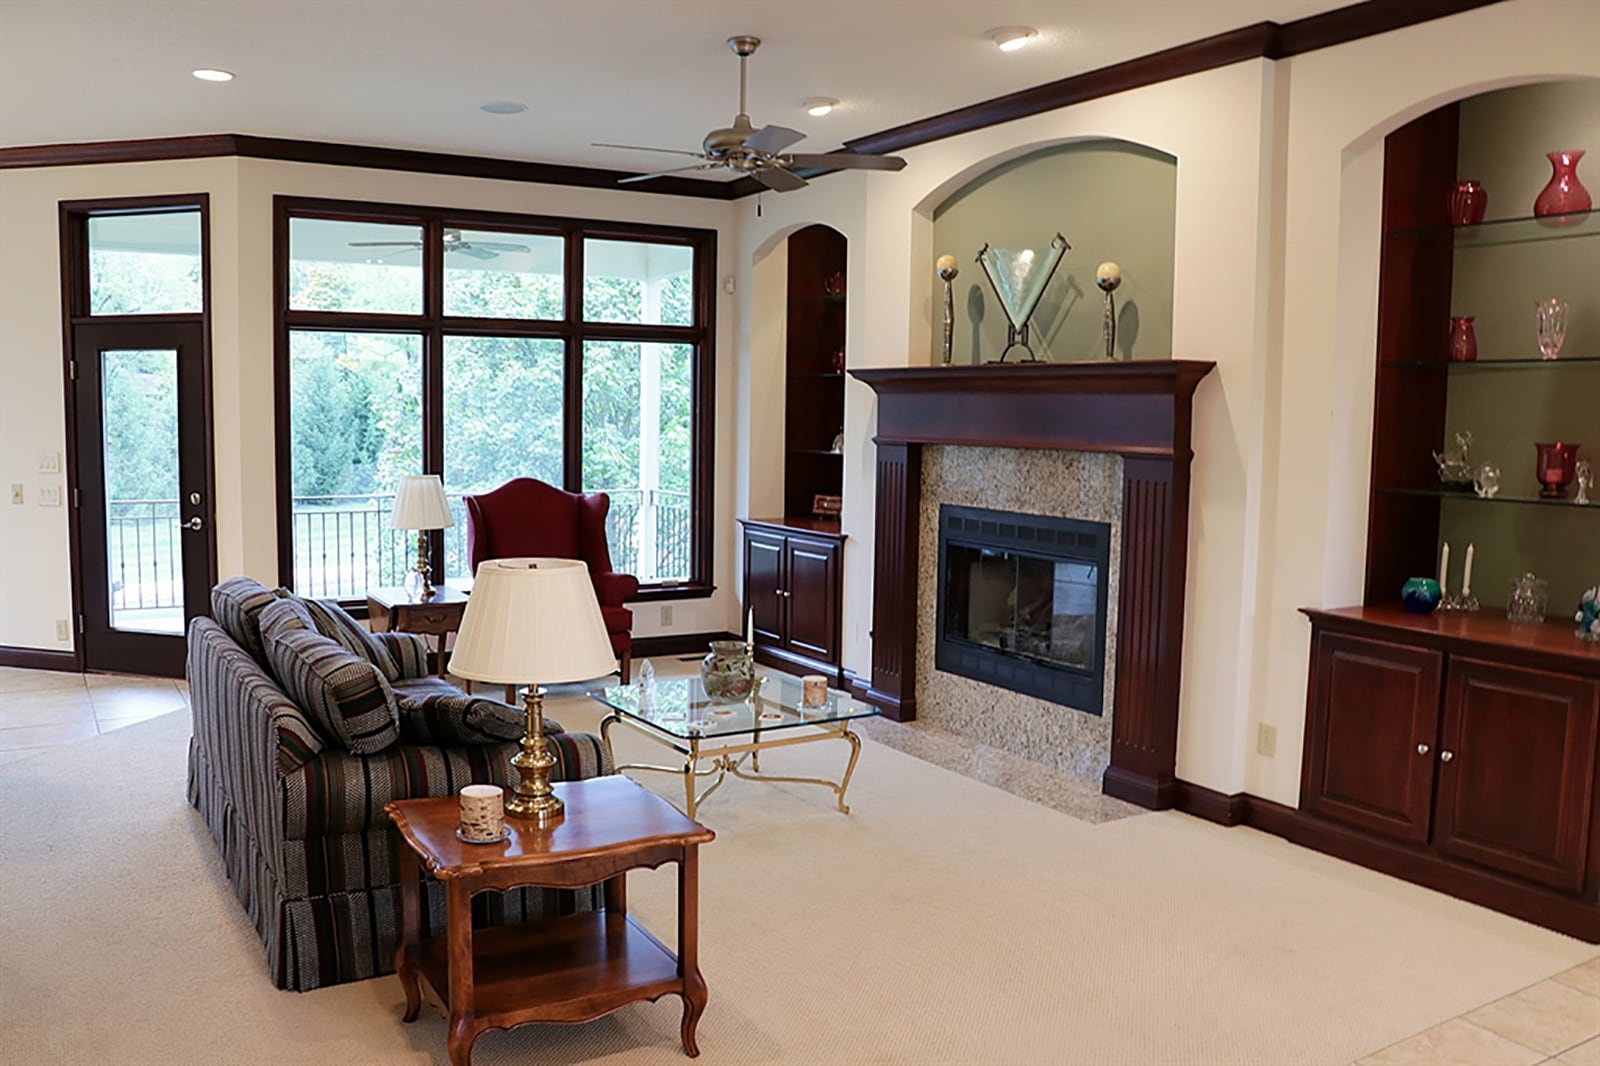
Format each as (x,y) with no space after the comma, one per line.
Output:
(210,74)
(1010,38)
(504,107)
(817,106)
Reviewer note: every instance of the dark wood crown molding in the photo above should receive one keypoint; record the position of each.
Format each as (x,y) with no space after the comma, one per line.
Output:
(1261,40)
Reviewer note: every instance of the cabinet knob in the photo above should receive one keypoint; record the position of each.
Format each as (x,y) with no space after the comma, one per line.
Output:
(1422,749)
(1446,756)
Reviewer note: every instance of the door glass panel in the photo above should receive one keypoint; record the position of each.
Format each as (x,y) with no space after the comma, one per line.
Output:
(355,429)
(635,281)
(355,266)
(638,448)
(502,420)
(503,275)
(144,548)
(145,264)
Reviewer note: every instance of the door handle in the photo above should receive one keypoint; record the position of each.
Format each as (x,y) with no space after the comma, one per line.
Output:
(195,523)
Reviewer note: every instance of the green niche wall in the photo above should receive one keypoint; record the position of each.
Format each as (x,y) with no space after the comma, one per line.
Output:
(1112,200)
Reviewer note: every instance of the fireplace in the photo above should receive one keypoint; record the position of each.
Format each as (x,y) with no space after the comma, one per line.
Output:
(1022,603)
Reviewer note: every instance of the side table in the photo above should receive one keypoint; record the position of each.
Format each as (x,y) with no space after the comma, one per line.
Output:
(571,968)
(393,610)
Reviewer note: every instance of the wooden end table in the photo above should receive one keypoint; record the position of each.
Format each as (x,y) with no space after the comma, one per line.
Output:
(393,610)
(571,968)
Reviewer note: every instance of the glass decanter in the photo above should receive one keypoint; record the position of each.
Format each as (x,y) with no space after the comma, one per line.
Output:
(1527,601)
(1552,318)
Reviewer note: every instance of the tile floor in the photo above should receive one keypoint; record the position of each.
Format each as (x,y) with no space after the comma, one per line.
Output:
(1555,1021)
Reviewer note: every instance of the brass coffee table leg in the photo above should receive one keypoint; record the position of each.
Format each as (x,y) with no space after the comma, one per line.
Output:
(855,753)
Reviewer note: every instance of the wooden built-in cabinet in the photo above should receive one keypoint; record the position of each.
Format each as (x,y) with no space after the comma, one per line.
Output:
(793,585)
(1471,744)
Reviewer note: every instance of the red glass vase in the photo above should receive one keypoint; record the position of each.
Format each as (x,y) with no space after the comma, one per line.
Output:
(1564,194)
(1468,202)
(1463,340)
(1557,465)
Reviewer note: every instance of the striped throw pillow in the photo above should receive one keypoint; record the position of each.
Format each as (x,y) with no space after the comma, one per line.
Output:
(281,616)
(237,604)
(333,623)
(436,712)
(343,694)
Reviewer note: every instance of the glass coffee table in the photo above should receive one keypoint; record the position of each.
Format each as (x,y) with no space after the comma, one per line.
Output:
(677,713)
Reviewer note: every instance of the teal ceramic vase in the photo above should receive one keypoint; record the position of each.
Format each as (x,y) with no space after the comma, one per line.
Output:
(728,674)
(1420,595)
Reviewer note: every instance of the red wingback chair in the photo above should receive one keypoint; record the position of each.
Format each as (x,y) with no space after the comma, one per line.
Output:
(527,517)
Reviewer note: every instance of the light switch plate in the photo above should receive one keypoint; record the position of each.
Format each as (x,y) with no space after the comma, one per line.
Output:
(50,496)
(49,462)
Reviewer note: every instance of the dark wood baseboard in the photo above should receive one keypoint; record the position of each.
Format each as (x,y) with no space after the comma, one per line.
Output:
(1566,914)
(1151,793)
(39,659)
(678,643)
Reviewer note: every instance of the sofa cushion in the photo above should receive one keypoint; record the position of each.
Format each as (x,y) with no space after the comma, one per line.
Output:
(334,623)
(436,712)
(237,604)
(281,616)
(342,693)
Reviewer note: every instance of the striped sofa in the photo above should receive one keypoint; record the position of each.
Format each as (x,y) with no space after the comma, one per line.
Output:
(300,823)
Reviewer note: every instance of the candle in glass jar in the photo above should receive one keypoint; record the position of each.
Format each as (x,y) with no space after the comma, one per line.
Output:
(814,690)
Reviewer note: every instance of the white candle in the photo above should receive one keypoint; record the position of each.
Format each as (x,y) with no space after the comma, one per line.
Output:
(1466,577)
(1444,568)
(750,628)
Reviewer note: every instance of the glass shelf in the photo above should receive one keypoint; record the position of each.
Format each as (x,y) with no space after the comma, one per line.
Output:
(1472,497)
(1497,364)
(814,451)
(827,375)
(1513,230)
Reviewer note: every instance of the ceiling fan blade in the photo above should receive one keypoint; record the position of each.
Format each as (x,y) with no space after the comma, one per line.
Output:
(664,173)
(780,180)
(773,139)
(474,251)
(386,244)
(846,161)
(643,148)
(496,246)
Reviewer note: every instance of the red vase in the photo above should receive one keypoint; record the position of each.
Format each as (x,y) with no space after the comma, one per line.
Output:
(1557,464)
(1463,340)
(1565,194)
(1468,203)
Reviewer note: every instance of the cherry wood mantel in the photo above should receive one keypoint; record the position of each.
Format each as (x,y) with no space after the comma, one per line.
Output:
(1139,410)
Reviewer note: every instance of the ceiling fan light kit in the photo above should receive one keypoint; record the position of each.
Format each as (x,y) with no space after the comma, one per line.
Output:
(817,106)
(759,153)
(1011,38)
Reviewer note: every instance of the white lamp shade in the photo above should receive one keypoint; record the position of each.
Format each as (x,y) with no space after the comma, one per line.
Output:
(420,504)
(532,621)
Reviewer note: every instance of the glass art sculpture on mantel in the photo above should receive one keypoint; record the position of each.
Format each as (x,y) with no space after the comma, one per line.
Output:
(1527,601)
(1108,276)
(1486,481)
(947,270)
(1551,316)
(1019,279)
(1455,468)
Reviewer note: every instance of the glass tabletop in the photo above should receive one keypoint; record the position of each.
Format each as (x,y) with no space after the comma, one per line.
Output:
(679,707)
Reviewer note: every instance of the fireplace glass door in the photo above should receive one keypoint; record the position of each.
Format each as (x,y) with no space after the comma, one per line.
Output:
(1040,609)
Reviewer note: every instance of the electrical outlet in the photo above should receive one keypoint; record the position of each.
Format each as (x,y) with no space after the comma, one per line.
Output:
(63,629)
(1267,739)
(49,462)
(16,493)
(50,496)
(666,615)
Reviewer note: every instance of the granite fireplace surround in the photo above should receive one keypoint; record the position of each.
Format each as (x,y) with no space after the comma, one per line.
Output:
(1106,441)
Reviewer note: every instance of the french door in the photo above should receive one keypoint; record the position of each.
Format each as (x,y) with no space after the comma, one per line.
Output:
(142,504)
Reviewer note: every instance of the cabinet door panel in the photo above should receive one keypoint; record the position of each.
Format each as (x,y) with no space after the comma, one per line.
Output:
(1515,792)
(764,582)
(1372,705)
(813,599)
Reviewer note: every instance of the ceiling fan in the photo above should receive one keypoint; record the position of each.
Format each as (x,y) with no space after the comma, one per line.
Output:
(744,149)
(453,242)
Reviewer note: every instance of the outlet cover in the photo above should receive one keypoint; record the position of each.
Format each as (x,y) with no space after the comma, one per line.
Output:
(50,496)
(63,630)
(16,493)
(666,615)
(1267,739)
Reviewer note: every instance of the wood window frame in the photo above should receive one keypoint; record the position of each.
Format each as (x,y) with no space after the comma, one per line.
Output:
(433,325)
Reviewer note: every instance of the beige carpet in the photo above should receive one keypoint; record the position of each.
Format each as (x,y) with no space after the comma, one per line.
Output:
(943,921)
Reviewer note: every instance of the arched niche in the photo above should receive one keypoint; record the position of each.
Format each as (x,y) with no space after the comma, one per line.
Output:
(1111,199)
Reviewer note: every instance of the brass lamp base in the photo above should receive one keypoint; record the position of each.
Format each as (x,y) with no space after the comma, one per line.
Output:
(533,798)
(424,571)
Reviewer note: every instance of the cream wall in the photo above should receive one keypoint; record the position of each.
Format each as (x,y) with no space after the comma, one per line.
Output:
(1276,257)
(241,190)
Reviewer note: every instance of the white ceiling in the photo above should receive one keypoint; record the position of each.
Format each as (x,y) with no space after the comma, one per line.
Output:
(412,73)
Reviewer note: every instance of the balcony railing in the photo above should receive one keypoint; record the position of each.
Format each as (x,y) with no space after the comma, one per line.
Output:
(343,545)
(144,555)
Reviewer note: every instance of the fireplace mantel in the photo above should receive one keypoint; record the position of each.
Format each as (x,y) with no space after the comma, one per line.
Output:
(1139,410)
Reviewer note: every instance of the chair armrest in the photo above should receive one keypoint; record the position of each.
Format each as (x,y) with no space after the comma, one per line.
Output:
(409,652)
(613,589)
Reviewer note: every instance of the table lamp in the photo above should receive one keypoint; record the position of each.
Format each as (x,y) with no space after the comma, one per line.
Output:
(420,505)
(532,621)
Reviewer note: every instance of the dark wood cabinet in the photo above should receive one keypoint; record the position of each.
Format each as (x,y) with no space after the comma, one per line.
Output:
(793,584)
(1374,719)
(1459,751)
(1516,770)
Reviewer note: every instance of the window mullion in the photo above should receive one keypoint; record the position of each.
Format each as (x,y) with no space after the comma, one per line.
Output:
(572,377)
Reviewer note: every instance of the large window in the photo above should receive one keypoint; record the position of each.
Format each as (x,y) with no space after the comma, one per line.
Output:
(484,348)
